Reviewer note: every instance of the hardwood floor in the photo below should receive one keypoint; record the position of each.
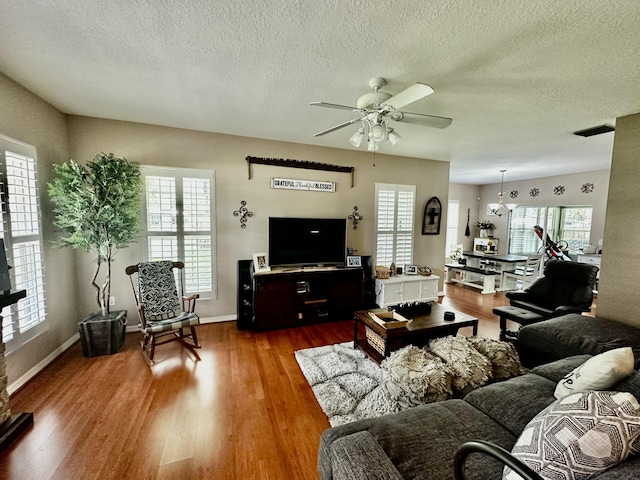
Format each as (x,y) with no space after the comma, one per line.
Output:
(244,411)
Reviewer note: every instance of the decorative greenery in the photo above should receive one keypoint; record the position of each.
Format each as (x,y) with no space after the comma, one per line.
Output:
(456,254)
(97,205)
(486,225)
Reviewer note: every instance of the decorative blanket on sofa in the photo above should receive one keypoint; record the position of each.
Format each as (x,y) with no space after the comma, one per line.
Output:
(349,386)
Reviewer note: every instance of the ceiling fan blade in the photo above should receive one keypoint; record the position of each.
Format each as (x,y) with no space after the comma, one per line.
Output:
(409,95)
(421,119)
(332,105)
(337,127)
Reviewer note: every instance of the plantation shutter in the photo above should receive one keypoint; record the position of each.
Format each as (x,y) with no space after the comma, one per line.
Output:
(22,235)
(395,212)
(179,223)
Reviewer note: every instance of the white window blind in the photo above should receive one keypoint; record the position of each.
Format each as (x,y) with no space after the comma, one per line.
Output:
(22,235)
(178,223)
(395,214)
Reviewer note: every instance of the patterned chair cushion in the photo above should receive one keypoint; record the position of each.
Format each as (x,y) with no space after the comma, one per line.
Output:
(185,319)
(579,436)
(158,292)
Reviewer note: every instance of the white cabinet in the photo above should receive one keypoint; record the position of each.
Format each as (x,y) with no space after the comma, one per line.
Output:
(406,288)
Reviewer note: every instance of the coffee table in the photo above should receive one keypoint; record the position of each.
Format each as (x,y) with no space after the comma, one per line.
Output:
(379,341)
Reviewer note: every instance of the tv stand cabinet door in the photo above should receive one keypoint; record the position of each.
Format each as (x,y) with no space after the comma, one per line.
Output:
(274,303)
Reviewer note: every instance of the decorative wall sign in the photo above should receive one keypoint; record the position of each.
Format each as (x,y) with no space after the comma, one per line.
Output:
(243,213)
(534,192)
(281,162)
(312,185)
(513,194)
(432,217)
(559,190)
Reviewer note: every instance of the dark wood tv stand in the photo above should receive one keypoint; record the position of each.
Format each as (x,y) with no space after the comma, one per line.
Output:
(293,297)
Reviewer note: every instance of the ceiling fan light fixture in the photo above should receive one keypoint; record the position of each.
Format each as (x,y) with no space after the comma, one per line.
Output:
(379,132)
(394,137)
(356,138)
(372,145)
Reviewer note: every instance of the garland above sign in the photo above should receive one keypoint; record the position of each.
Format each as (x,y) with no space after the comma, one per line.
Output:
(280,162)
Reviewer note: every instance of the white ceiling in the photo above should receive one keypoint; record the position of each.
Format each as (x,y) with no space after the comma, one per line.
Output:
(516,76)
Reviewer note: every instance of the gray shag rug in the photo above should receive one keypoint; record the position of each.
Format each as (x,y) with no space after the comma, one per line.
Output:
(346,383)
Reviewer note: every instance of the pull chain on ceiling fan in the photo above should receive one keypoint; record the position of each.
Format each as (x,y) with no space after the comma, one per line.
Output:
(378,108)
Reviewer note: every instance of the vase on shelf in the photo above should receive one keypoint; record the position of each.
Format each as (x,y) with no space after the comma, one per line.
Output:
(484,233)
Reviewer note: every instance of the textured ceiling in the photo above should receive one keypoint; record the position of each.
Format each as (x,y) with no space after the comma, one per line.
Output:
(516,76)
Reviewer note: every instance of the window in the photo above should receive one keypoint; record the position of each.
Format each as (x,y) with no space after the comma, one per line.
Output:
(22,234)
(570,224)
(395,207)
(178,223)
(453,216)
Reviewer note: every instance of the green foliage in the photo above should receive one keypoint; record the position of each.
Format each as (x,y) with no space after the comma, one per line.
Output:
(97,206)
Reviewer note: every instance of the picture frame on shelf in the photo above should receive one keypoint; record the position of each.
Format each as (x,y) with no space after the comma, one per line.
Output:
(261,262)
(411,270)
(354,261)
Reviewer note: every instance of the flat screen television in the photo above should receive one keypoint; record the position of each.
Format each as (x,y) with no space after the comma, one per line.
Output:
(307,241)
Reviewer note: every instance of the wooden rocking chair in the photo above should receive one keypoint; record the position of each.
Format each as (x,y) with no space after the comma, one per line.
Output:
(163,316)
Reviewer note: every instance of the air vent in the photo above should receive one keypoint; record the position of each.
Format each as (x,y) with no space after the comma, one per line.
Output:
(590,132)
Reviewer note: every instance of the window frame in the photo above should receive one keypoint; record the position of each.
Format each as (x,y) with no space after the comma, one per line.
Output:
(35,303)
(180,233)
(395,232)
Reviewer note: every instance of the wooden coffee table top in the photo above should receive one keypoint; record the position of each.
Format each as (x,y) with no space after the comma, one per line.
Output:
(431,325)
(420,323)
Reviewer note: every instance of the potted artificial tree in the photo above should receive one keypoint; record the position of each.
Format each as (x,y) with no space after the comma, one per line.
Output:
(97,206)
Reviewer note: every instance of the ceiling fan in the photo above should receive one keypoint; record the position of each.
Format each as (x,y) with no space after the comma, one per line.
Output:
(377,108)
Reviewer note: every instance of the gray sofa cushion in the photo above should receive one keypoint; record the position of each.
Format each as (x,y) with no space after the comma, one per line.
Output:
(359,457)
(555,371)
(421,441)
(574,334)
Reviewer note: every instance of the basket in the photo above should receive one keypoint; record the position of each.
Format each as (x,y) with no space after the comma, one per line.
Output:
(382,272)
(375,340)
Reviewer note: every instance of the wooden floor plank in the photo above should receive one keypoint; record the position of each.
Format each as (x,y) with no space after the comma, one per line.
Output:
(245,411)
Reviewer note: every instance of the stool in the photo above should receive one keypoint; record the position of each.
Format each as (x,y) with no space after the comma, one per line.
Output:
(518,315)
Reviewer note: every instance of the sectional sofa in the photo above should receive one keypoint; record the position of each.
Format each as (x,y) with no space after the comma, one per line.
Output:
(420,443)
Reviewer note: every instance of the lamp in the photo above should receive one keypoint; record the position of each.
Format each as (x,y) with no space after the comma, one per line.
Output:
(356,138)
(378,131)
(500,208)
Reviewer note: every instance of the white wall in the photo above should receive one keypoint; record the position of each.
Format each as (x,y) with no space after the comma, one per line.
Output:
(468,196)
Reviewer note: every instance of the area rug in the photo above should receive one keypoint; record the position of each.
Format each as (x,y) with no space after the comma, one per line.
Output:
(346,383)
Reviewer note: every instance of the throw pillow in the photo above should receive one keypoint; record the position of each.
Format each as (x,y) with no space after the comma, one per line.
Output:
(579,436)
(598,373)
(469,367)
(502,355)
(414,376)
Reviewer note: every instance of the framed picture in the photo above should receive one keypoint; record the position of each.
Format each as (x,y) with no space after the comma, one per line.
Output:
(354,261)
(410,269)
(260,262)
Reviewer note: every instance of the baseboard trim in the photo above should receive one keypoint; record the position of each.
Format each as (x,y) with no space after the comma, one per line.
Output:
(37,368)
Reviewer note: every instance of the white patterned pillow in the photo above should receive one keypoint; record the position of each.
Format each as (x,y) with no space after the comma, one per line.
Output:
(158,292)
(601,372)
(579,436)
(470,369)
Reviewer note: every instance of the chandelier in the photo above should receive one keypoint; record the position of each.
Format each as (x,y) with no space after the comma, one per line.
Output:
(377,129)
(500,208)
